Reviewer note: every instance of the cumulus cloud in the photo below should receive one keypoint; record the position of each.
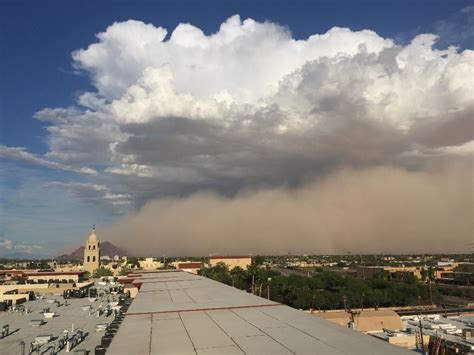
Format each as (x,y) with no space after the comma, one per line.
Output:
(244,59)
(250,103)
(249,106)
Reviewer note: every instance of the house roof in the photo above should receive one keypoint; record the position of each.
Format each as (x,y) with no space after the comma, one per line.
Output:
(366,320)
(25,273)
(189,265)
(54,273)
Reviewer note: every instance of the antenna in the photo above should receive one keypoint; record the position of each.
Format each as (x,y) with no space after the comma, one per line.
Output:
(353,315)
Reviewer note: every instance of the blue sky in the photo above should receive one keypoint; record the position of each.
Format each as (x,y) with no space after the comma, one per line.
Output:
(38,72)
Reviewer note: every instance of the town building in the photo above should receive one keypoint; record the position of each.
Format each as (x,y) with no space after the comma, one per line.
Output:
(150,264)
(41,319)
(92,253)
(231,261)
(454,278)
(393,272)
(18,285)
(365,320)
(40,276)
(435,333)
(192,267)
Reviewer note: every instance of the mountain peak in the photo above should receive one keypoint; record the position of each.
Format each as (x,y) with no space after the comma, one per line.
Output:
(106,249)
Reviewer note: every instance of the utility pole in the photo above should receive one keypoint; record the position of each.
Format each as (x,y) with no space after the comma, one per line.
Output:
(431,293)
(253,284)
(268,291)
(352,314)
(421,326)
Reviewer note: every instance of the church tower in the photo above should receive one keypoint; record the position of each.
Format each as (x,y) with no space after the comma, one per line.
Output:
(91,253)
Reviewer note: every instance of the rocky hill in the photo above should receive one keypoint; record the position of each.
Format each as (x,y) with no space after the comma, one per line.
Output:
(106,249)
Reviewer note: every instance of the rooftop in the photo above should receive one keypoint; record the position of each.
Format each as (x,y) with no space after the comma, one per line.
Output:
(230,257)
(39,272)
(366,320)
(189,265)
(67,317)
(178,312)
(448,328)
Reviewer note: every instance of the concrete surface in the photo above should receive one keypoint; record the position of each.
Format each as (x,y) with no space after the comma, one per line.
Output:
(179,313)
(67,316)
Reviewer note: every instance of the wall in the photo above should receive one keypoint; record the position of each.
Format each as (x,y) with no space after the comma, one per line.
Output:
(231,262)
(75,278)
(150,264)
(18,298)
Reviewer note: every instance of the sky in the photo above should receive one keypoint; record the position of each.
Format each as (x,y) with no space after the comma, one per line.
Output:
(149,118)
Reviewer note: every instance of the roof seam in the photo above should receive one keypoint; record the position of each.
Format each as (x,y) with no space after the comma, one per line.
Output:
(264,332)
(218,325)
(187,333)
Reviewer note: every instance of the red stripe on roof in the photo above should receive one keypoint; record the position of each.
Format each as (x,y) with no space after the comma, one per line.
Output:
(206,309)
(230,257)
(54,273)
(189,265)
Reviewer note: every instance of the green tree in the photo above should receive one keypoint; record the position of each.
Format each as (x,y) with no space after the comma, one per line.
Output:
(125,271)
(239,278)
(101,272)
(133,262)
(325,289)
(220,273)
(252,270)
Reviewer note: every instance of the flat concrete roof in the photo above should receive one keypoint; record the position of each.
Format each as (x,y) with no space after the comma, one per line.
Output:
(73,314)
(176,312)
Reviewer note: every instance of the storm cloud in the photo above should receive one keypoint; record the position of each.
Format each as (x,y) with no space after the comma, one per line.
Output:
(249,140)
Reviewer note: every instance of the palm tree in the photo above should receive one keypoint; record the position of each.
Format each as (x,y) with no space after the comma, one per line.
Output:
(252,269)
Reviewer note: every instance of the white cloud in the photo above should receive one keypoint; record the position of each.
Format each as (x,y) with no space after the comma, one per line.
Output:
(466,149)
(57,115)
(463,149)
(93,193)
(244,58)
(77,186)
(131,169)
(20,153)
(28,248)
(6,244)
(249,66)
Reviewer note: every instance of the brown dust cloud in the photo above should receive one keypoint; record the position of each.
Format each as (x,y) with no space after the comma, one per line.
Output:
(373,210)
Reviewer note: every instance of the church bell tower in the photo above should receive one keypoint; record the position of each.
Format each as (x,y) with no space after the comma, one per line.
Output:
(92,253)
